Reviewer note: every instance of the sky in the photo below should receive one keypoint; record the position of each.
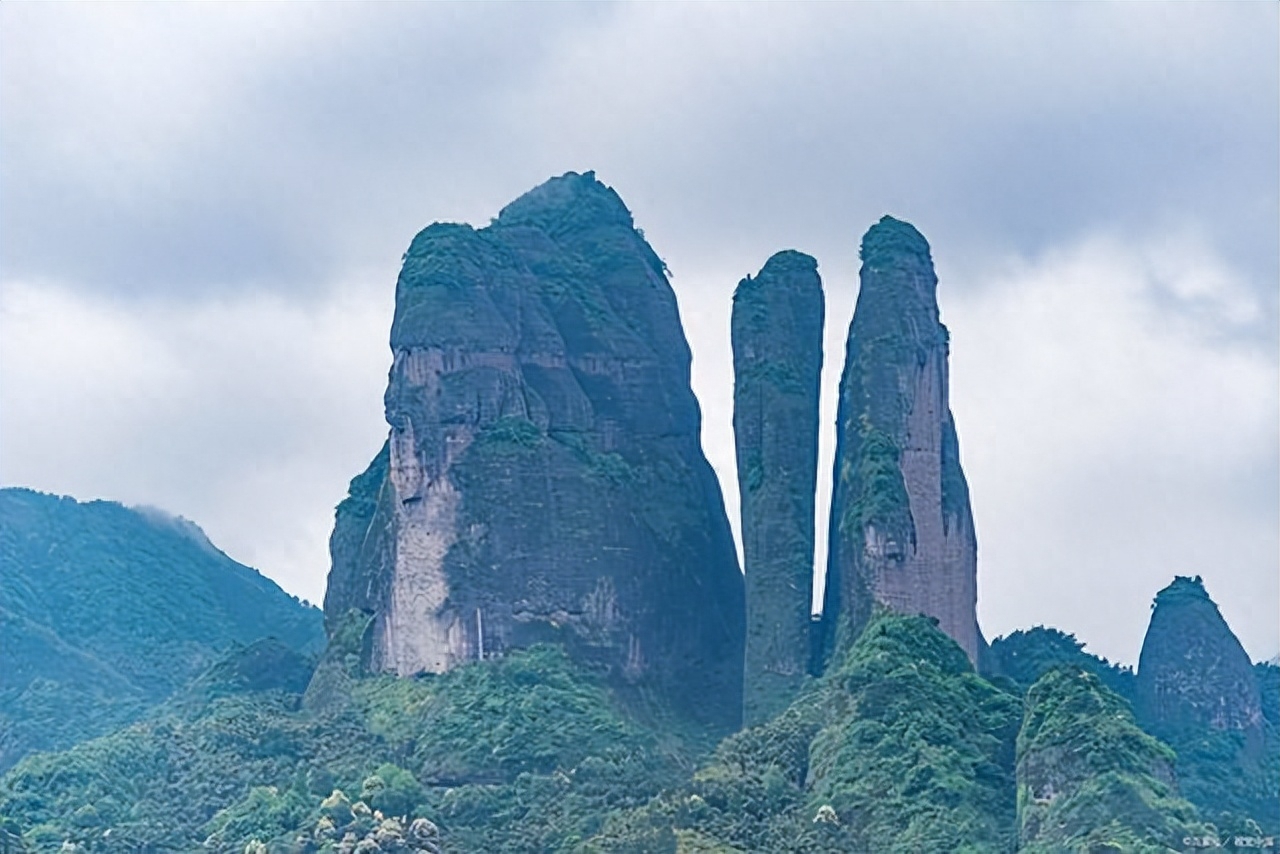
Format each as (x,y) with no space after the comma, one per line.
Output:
(203,209)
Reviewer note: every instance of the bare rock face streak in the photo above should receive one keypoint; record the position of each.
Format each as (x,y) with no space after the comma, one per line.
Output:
(777,367)
(544,478)
(901,525)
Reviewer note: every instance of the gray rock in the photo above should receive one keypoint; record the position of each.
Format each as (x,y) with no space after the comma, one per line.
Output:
(1192,672)
(777,366)
(901,526)
(1198,691)
(544,478)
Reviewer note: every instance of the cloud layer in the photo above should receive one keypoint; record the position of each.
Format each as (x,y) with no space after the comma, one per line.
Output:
(203,208)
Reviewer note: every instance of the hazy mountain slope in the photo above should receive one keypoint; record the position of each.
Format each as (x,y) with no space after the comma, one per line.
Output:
(106,610)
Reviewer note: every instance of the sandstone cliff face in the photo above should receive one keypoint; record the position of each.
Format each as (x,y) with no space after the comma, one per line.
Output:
(543,478)
(777,366)
(901,526)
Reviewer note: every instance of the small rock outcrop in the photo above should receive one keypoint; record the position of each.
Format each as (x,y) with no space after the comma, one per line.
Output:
(1192,672)
(544,479)
(1198,691)
(777,367)
(901,526)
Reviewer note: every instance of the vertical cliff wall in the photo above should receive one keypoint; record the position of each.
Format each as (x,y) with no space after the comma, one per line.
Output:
(544,478)
(777,367)
(901,526)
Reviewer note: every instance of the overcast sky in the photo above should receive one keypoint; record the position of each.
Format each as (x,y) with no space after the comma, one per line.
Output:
(203,208)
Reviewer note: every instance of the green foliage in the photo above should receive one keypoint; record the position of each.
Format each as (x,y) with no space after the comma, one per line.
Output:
(362,494)
(532,712)
(509,434)
(1231,777)
(523,753)
(901,748)
(264,814)
(1026,655)
(264,665)
(393,790)
(106,610)
(880,496)
(1088,778)
(924,757)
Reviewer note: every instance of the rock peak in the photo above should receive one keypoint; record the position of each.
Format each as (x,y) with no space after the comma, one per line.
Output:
(901,526)
(777,366)
(891,238)
(1197,690)
(569,202)
(1193,670)
(544,478)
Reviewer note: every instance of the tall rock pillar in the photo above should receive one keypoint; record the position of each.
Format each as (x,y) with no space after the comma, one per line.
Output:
(901,526)
(777,366)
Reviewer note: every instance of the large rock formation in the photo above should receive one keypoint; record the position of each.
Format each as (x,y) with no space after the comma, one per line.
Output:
(777,367)
(544,478)
(1197,690)
(901,527)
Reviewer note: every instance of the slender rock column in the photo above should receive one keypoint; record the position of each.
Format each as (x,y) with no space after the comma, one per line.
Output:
(901,526)
(777,363)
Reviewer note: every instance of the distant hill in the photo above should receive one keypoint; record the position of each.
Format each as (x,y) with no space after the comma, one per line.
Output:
(107,610)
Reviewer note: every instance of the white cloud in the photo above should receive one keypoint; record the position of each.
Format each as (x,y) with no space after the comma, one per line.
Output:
(1113,439)
(247,415)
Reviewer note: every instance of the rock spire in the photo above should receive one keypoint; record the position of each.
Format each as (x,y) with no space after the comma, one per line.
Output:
(777,366)
(901,526)
(1198,691)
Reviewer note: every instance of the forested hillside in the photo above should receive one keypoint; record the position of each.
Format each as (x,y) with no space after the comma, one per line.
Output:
(106,610)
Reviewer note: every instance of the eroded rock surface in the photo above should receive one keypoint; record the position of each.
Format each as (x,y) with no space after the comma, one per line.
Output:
(1198,691)
(901,526)
(544,478)
(1193,672)
(777,366)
